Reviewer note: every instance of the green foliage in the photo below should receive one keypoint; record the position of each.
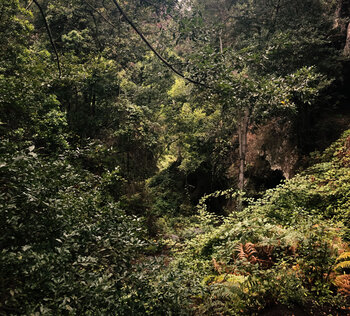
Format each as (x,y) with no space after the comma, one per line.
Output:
(65,243)
(190,128)
(281,249)
(316,260)
(322,190)
(77,150)
(50,131)
(343,261)
(166,189)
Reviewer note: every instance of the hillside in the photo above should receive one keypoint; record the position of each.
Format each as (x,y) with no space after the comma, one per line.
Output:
(284,249)
(174,157)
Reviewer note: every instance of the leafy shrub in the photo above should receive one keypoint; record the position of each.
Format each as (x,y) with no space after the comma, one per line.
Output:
(166,188)
(282,247)
(67,247)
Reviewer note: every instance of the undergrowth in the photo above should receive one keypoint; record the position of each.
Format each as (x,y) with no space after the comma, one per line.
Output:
(290,247)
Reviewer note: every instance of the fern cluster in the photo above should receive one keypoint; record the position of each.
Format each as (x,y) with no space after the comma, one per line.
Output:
(342,281)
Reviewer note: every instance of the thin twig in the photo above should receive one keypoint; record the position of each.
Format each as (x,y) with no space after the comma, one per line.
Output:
(99,13)
(29,5)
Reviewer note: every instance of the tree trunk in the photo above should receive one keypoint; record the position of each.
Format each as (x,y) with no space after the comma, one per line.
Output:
(93,104)
(242,139)
(221,46)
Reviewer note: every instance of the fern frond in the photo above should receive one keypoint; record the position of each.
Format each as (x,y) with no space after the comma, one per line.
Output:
(342,265)
(266,250)
(343,284)
(240,252)
(246,251)
(217,266)
(345,255)
(250,249)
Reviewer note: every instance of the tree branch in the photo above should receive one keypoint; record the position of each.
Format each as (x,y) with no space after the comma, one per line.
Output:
(166,63)
(99,13)
(50,36)
(29,4)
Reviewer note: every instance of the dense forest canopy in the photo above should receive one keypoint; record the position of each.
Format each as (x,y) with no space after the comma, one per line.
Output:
(174,157)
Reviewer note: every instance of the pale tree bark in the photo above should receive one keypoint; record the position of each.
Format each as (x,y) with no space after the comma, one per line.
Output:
(221,46)
(242,140)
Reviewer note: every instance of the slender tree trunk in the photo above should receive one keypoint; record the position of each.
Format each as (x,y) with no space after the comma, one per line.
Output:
(93,104)
(221,45)
(241,158)
(242,139)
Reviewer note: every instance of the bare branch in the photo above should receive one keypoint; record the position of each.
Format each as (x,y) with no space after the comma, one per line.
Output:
(50,36)
(29,5)
(153,49)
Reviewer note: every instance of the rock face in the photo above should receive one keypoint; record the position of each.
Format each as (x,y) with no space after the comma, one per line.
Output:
(347,42)
(272,144)
(342,22)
